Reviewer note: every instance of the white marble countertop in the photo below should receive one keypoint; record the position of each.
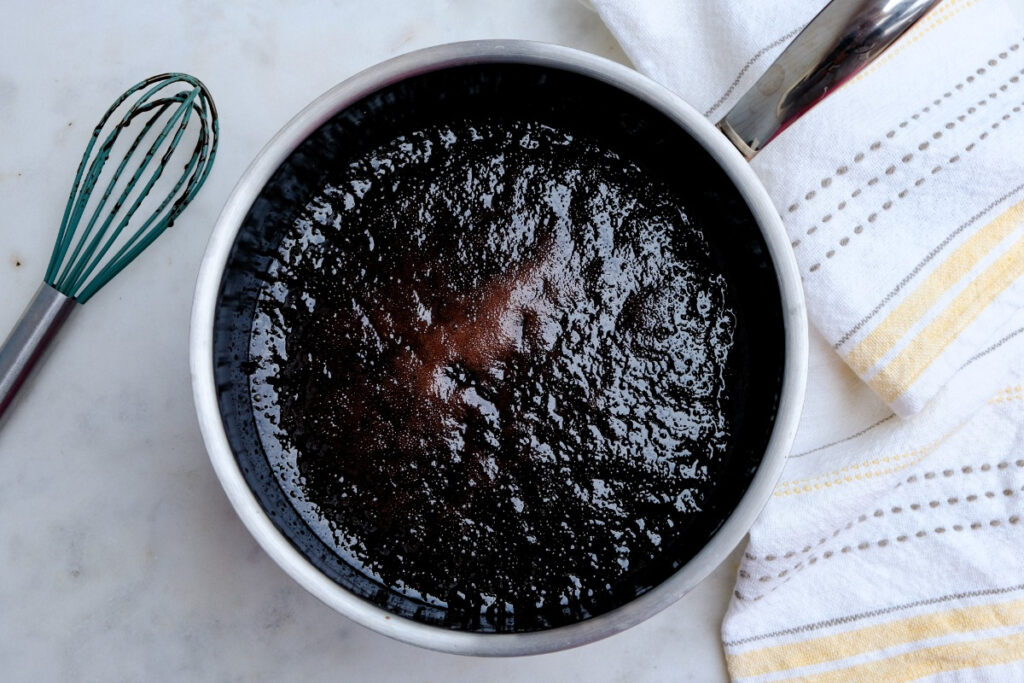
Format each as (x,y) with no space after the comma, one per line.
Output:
(120,558)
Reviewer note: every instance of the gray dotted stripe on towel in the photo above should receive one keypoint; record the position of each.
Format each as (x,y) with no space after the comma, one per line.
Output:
(1012,520)
(891,133)
(893,510)
(877,514)
(860,616)
(772,557)
(966,469)
(923,146)
(935,170)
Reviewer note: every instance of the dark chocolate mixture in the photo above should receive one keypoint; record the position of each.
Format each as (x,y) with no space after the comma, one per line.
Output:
(498,356)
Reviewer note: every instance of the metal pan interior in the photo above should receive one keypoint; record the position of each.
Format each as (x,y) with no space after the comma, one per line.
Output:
(493,94)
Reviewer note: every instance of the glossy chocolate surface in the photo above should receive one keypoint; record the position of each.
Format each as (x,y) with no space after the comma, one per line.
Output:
(506,368)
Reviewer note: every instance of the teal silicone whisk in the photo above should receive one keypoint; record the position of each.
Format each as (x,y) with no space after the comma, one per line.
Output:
(97,236)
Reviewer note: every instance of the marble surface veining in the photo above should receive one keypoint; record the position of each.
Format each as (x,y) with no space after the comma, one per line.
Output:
(120,557)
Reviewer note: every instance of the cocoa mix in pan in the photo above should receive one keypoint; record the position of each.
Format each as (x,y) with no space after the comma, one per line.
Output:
(498,356)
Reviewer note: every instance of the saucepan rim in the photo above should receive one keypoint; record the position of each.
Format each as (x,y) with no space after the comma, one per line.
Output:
(215,261)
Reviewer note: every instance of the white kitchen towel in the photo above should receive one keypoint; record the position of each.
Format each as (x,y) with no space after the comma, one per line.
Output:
(893,549)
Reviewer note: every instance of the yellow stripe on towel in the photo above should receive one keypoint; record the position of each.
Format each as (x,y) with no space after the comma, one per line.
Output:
(837,647)
(930,661)
(902,318)
(896,377)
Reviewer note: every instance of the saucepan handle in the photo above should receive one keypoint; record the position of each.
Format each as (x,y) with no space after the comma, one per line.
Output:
(840,41)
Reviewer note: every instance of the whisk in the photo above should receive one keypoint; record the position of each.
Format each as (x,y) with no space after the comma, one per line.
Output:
(95,242)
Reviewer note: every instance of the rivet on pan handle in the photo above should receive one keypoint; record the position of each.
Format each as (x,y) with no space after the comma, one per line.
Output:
(844,38)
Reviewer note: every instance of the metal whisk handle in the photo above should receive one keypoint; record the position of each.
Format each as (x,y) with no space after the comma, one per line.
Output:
(29,339)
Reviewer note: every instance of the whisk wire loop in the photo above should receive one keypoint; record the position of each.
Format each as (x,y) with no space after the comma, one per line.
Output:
(77,200)
(80,265)
(73,264)
(144,236)
(86,265)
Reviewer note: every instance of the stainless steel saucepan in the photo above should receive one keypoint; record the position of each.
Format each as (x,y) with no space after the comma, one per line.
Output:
(840,41)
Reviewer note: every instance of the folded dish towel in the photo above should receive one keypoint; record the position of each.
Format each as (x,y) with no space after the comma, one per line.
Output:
(894,546)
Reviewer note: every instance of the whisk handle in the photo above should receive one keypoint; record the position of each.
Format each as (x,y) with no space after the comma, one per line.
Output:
(29,339)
